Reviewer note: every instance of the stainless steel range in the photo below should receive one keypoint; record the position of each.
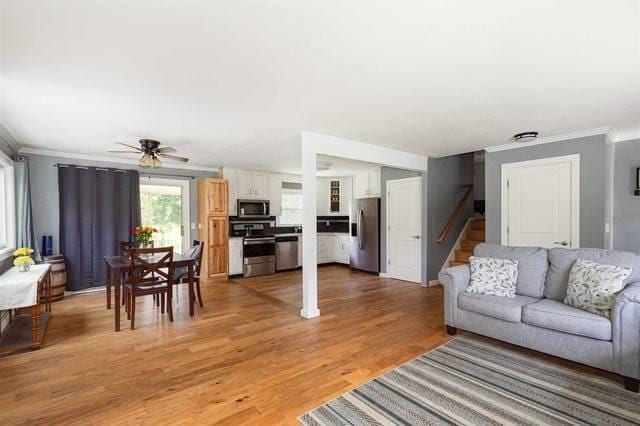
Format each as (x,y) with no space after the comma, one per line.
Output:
(259,256)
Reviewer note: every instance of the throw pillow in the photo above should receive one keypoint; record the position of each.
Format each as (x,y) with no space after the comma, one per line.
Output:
(593,286)
(493,276)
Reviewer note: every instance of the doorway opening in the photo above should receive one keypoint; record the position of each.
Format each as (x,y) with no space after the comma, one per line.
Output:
(164,205)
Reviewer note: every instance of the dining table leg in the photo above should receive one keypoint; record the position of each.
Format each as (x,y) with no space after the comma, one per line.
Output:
(35,323)
(117,277)
(191,292)
(107,283)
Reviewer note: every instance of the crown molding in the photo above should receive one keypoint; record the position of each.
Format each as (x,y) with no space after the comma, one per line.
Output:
(629,136)
(608,131)
(105,158)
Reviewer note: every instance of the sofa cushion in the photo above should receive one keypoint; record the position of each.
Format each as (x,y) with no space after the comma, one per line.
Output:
(504,308)
(554,315)
(561,261)
(532,265)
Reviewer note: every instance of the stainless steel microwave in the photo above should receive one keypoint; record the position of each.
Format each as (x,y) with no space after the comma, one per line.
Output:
(253,208)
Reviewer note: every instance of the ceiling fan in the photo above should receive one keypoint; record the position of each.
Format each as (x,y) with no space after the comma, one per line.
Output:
(151,153)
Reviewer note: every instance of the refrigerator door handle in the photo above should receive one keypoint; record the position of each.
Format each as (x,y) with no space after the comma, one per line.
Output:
(360,239)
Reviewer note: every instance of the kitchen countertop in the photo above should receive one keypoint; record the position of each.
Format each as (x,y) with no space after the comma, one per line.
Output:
(291,234)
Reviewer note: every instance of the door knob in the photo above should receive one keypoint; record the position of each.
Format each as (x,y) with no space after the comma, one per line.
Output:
(417,237)
(562,243)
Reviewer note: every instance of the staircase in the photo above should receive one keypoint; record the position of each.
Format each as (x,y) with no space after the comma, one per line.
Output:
(474,236)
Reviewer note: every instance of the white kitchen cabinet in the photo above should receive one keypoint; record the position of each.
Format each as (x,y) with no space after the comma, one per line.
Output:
(275,194)
(299,250)
(342,248)
(231,177)
(244,184)
(346,196)
(374,183)
(235,255)
(333,248)
(322,197)
(367,184)
(261,185)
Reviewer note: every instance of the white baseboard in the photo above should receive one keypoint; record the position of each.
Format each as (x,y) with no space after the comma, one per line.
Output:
(434,283)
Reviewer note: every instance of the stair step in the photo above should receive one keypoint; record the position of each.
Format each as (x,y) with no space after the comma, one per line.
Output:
(477,225)
(468,245)
(475,235)
(463,255)
(457,263)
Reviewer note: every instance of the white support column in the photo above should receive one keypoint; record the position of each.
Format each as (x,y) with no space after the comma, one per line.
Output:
(309,248)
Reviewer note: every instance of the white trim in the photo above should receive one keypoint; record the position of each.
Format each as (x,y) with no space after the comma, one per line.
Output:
(106,158)
(9,205)
(433,283)
(609,131)
(574,159)
(186,214)
(625,137)
(392,181)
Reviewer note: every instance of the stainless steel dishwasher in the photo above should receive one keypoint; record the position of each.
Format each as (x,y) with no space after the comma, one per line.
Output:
(286,253)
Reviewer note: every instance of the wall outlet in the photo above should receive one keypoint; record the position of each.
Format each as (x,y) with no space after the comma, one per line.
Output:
(193,225)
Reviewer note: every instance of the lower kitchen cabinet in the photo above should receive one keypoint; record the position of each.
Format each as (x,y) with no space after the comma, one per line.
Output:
(235,256)
(333,248)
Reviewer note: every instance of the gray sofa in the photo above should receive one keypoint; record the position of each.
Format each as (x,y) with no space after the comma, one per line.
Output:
(537,319)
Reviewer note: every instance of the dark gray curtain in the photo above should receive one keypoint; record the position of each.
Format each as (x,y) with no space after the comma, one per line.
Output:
(25,230)
(98,208)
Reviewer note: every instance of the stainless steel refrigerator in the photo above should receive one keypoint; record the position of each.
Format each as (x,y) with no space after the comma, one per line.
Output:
(364,247)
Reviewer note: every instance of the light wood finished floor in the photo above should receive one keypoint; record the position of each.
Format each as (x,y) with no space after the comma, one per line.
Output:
(246,357)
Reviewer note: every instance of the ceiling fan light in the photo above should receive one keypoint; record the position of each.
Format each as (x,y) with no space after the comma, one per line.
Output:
(146,161)
(156,162)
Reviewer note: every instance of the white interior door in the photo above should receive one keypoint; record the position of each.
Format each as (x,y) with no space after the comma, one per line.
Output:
(404,229)
(540,202)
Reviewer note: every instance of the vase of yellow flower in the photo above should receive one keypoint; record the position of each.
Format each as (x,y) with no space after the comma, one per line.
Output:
(143,234)
(22,259)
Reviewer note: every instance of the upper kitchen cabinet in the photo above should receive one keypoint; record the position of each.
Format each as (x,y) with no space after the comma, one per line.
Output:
(275,194)
(245,184)
(322,196)
(367,184)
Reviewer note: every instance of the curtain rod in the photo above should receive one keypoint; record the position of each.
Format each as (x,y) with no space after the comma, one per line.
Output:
(142,174)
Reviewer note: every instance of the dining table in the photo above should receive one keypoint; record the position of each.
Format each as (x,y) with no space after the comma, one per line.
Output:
(116,266)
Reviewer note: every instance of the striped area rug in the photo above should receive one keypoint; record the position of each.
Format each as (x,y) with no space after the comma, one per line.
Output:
(468,381)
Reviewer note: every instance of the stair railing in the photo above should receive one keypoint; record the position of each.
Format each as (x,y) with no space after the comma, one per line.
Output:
(454,215)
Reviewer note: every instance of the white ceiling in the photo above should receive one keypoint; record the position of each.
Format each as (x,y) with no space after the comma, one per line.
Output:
(341,166)
(235,82)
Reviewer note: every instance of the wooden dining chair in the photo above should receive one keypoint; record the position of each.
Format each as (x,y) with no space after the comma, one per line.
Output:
(150,273)
(182,276)
(123,251)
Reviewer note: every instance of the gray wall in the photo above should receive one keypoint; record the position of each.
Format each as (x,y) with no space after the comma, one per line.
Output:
(44,190)
(593,183)
(478,180)
(447,177)
(387,174)
(626,211)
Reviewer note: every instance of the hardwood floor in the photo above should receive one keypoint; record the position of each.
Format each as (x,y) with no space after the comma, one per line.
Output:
(246,357)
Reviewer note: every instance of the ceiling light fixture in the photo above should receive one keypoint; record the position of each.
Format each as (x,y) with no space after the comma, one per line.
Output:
(146,161)
(525,137)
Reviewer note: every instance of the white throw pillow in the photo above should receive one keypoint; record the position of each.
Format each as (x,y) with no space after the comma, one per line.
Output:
(493,276)
(593,286)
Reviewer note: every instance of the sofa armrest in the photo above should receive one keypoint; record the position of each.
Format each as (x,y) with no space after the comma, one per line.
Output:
(625,319)
(454,280)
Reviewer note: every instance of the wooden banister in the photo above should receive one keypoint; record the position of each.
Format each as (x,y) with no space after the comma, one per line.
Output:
(454,216)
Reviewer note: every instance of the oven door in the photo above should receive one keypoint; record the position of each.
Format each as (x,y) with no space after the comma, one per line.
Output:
(259,250)
(253,208)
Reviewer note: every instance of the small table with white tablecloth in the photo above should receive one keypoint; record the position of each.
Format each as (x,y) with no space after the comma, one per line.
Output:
(20,291)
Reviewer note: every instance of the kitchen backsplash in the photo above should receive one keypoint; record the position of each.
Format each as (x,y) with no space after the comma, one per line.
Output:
(324,224)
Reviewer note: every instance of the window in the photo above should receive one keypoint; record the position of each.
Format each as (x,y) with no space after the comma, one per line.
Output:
(291,207)
(7,207)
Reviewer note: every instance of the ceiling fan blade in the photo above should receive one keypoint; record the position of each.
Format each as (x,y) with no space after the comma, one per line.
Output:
(126,152)
(165,149)
(173,157)
(137,148)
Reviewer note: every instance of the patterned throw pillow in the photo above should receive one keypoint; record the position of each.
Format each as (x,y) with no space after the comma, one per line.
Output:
(593,286)
(493,276)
